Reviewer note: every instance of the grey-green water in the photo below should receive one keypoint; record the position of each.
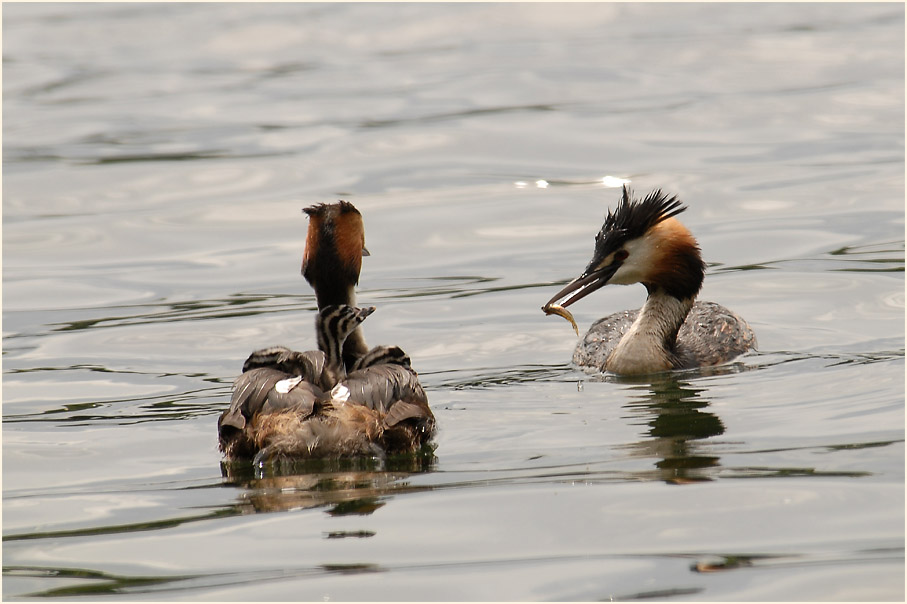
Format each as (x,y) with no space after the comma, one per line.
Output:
(156,158)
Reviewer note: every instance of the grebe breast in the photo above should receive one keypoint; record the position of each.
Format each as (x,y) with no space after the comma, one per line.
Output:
(710,335)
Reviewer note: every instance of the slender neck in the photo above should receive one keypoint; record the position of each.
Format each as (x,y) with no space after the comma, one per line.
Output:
(331,294)
(331,345)
(354,347)
(649,344)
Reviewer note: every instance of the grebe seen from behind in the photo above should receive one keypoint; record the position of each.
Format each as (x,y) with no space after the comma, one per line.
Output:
(643,242)
(332,260)
(280,389)
(282,407)
(343,399)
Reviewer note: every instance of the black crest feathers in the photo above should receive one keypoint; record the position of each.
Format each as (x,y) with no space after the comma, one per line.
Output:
(632,218)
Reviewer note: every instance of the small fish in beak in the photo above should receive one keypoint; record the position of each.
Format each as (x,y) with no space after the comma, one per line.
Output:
(557,309)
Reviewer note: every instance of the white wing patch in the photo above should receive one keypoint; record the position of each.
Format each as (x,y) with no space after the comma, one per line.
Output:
(284,386)
(340,393)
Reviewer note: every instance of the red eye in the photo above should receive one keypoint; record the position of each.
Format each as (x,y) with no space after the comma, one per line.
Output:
(620,255)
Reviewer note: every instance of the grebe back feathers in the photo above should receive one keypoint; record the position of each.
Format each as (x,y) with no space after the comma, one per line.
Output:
(280,382)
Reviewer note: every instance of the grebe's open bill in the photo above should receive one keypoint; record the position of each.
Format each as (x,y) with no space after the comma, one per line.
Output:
(583,285)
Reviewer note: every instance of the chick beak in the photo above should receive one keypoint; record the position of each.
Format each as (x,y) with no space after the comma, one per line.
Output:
(365,252)
(364,312)
(591,279)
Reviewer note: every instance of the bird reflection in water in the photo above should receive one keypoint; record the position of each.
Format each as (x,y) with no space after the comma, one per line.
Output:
(677,418)
(343,486)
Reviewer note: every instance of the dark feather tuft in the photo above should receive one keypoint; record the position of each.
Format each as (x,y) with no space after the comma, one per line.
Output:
(341,207)
(633,218)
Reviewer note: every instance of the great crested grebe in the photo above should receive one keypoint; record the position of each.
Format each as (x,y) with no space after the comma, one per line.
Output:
(337,401)
(334,247)
(642,242)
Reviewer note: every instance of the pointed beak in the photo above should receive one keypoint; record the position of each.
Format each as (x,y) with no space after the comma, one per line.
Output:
(582,286)
(364,312)
(365,252)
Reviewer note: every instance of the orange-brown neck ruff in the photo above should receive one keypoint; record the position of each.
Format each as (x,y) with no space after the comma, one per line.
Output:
(677,267)
(349,235)
(312,239)
(333,252)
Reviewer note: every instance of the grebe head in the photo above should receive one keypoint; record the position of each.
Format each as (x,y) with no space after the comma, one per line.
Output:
(338,321)
(641,242)
(334,247)
(333,325)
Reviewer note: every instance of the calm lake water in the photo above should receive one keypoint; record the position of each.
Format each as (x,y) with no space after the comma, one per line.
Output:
(156,158)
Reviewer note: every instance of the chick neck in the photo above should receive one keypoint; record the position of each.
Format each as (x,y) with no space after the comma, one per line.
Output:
(330,342)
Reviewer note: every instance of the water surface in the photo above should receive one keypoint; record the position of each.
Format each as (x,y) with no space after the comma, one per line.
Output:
(156,158)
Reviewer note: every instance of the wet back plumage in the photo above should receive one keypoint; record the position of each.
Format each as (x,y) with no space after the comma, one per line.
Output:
(283,407)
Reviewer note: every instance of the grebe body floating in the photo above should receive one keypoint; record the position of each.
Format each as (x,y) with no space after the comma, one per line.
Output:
(343,399)
(641,241)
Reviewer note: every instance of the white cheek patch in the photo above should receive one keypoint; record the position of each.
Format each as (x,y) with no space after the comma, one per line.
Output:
(639,262)
(627,274)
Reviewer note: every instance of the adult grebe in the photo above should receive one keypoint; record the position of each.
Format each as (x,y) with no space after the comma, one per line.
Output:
(334,247)
(304,404)
(340,400)
(642,242)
